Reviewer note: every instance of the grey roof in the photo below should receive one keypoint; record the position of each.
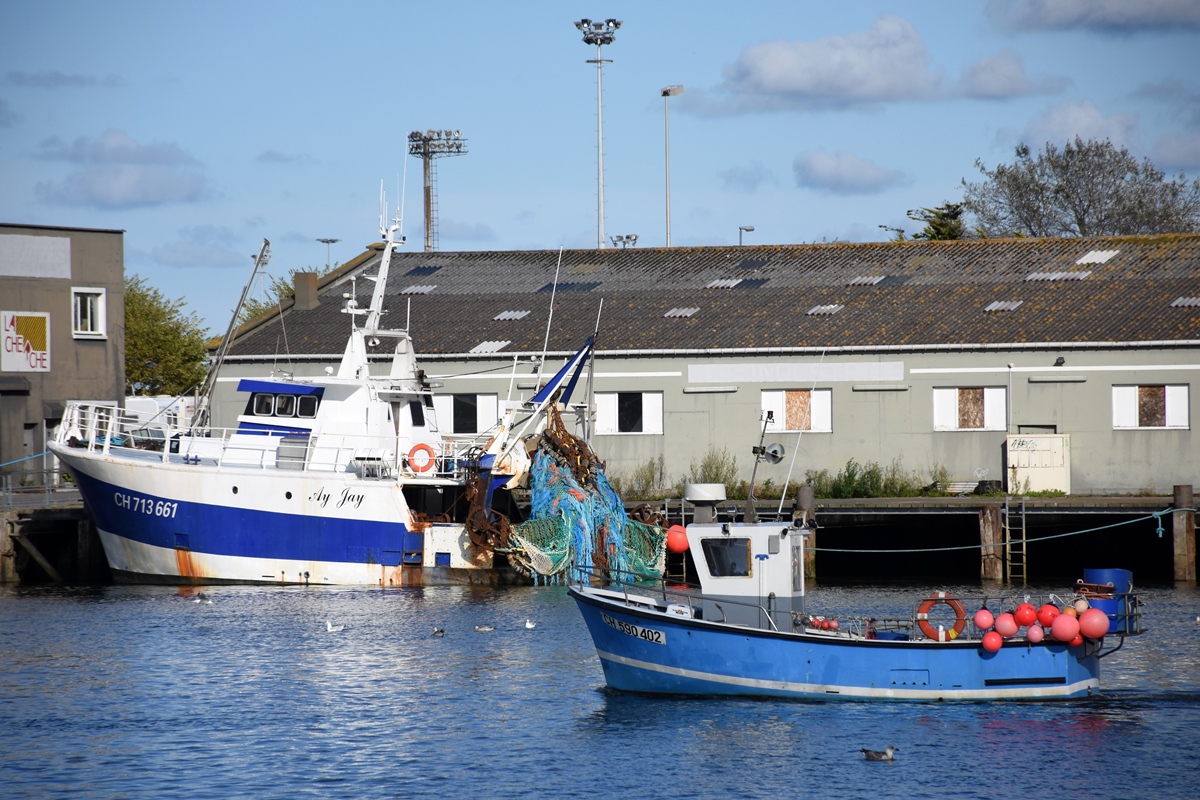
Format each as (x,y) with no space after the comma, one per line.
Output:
(891,294)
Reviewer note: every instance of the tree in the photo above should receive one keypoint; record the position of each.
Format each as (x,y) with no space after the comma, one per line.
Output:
(276,292)
(165,351)
(1085,189)
(942,223)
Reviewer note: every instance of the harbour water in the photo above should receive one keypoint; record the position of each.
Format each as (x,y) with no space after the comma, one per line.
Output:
(137,692)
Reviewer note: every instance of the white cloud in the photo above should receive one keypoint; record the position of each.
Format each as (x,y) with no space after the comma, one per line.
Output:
(1106,15)
(118,172)
(1062,123)
(1177,152)
(1003,75)
(747,178)
(843,173)
(888,61)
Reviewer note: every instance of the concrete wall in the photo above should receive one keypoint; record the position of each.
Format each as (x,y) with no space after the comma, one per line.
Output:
(39,268)
(882,409)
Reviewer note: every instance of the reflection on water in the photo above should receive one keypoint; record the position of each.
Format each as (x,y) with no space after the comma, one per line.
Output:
(139,691)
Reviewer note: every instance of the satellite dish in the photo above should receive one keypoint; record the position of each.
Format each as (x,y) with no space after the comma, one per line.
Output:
(774,453)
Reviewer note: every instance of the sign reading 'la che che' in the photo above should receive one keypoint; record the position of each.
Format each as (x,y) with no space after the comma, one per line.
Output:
(26,342)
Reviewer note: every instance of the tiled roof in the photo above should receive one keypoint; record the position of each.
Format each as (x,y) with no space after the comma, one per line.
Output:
(927,293)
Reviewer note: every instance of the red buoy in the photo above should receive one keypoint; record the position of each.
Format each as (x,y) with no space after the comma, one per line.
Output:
(1025,614)
(1006,625)
(1093,623)
(677,541)
(833,624)
(1065,628)
(1046,615)
(992,641)
(984,619)
(1078,640)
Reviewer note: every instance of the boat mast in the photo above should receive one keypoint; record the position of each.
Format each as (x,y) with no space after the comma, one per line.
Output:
(200,416)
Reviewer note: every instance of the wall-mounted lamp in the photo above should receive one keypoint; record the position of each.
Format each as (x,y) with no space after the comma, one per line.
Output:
(1058,362)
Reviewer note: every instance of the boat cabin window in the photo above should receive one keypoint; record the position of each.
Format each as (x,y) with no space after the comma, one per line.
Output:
(306,406)
(418,413)
(284,405)
(264,405)
(727,557)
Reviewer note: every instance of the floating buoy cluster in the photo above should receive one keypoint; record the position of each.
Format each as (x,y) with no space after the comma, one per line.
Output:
(822,623)
(1070,624)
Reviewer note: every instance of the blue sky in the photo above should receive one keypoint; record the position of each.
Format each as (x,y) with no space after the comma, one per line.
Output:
(202,128)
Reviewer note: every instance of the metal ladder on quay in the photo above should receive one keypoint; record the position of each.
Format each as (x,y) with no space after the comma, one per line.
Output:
(1014,541)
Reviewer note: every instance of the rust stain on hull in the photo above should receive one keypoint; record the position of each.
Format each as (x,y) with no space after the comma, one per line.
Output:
(185,565)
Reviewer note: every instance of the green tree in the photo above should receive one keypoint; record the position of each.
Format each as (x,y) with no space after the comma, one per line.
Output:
(1088,188)
(278,290)
(942,223)
(165,351)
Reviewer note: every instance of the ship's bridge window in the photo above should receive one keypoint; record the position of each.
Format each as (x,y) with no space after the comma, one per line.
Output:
(284,405)
(727,557)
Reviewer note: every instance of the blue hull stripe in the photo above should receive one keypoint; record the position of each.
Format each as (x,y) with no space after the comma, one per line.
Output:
(249,533)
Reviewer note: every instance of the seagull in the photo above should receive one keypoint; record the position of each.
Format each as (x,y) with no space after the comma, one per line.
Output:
(880,755)
(329,626)
(439,632)
(203,598)
(530,624)
(484,628)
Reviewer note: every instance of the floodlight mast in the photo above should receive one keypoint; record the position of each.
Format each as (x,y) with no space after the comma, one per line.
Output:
(428,145)
(599,34)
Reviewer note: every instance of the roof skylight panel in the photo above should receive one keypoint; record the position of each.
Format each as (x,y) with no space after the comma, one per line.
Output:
(490,346)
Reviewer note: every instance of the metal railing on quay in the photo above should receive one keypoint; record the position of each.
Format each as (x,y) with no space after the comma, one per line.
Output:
(36,489)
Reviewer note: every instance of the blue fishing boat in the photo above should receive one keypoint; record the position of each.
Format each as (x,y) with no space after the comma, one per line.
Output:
(745,630)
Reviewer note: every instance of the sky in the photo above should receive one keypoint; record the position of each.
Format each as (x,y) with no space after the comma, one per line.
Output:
(201,129)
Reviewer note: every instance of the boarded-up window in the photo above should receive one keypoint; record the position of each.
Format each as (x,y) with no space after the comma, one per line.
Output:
(970,408)
(1152,406)
(797,410)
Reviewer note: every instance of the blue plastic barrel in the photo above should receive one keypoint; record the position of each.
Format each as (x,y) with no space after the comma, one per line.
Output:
(1117,608)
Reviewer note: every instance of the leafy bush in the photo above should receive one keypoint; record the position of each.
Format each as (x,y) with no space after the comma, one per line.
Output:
(871,480)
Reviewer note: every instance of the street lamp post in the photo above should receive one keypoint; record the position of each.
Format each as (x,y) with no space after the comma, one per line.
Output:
(328,244)
(667,93)
(744,229)
(599,34)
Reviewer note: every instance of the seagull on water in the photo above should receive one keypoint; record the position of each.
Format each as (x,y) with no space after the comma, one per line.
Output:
(439,631)
(484,628)
(203,598)
(880,755)
(329,626)
(530,624)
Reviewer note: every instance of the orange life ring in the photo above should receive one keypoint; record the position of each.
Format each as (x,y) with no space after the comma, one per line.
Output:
(960,617)
(430,458)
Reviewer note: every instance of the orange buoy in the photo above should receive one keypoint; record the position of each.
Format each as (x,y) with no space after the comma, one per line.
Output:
(677,541)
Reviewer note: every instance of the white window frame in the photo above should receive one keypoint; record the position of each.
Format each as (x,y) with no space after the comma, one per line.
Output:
(820,410)
(945,408)
(99,327)
(1125,407)
(487,411)
(607,415)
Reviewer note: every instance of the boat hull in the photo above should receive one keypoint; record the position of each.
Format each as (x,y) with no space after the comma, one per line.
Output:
(647,651)
(174,523)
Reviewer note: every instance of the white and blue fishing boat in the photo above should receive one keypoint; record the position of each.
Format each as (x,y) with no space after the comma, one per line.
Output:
(745,631)
(340,479)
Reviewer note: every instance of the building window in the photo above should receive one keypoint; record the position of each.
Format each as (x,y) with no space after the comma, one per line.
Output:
(629,412)
(799,410)
(87,320)
(975,408)
(1150,406)
(468,413)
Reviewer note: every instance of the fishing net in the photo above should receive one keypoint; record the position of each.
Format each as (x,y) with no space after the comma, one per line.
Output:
(577,518)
